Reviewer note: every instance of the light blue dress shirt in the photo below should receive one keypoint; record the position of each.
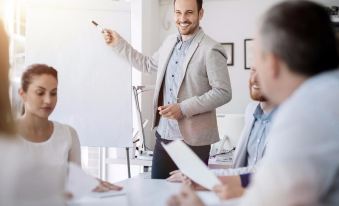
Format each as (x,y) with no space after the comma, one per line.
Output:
(257,141)
(169,128)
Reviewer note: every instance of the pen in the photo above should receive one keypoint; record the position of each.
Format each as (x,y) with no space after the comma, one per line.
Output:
(101,29)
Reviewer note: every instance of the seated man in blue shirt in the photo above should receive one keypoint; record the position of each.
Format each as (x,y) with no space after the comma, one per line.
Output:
(251,146)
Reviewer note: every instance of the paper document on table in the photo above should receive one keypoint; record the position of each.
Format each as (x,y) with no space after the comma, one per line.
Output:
(79,183)
(107,194)
(190,164)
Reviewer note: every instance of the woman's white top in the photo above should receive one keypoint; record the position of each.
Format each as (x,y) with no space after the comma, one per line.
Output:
(62,147)
(43,180)
(25,181)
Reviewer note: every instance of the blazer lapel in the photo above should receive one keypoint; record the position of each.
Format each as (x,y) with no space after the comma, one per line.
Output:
(240,157)
(191,50)
(241,151)
(162,68)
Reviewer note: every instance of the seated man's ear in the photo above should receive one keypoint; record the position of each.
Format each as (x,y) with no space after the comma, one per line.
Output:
(275,64)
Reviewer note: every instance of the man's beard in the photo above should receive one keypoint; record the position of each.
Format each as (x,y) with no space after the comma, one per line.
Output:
(257,96)
(260,98)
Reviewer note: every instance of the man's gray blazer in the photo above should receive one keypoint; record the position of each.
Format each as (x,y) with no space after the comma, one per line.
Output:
(204,84)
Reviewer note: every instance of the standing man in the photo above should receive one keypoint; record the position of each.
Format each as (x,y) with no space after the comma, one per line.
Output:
(192,81)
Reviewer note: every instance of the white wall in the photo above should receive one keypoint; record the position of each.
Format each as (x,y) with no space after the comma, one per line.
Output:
(150,43)
(145,38)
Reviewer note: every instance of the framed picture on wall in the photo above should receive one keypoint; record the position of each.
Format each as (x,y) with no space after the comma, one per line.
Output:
(248,53)
(229,47)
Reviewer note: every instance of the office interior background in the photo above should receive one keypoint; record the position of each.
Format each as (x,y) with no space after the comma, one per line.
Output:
(228,21)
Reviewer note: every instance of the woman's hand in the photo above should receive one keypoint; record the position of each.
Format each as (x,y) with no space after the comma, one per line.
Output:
(105,186)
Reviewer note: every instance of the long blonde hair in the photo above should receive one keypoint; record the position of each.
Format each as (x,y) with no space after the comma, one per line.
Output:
(6,118)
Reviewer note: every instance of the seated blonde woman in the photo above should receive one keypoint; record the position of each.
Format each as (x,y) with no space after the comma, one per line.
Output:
(7,129)
(49,142)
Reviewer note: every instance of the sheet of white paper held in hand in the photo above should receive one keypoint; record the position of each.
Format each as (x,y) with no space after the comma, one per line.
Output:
(190,164)
(81,185)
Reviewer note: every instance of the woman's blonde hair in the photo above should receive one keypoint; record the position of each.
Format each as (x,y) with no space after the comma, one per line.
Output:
(6,118)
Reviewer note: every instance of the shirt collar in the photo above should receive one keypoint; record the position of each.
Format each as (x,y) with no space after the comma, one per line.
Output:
(179,38)
(260,115)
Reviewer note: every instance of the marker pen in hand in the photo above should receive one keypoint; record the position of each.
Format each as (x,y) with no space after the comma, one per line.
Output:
(100,28)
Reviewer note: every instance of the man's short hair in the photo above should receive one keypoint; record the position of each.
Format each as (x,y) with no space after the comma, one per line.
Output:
(199,4)
(302,35)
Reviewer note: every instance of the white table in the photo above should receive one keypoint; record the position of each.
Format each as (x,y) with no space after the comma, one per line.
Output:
(146,164)
(143,191)
(140,190)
